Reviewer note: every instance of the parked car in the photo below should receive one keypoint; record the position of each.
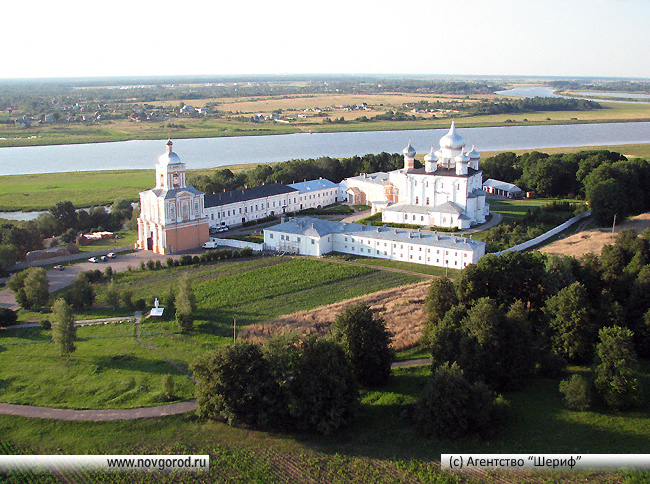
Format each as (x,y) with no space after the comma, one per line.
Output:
(58,267)
(93,259)
(210,245)
(111,255)
(103,258)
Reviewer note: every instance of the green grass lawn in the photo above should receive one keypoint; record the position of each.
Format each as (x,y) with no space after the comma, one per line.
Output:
(380,447)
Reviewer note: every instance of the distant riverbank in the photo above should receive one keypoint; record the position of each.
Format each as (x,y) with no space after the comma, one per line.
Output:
(21,196)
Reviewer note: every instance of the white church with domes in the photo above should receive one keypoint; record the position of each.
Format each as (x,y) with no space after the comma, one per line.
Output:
(447,192)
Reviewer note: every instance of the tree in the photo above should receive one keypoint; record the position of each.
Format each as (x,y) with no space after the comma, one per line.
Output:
(235,384)
(323,392)
(366,342)
(81,294)
(65,215)
(452,407)
(615,366)
(569,314)
(440,299)
(185,305)
(30,288)
(487,344)
(112,295)
(576,393)
(8,258)
(64,331)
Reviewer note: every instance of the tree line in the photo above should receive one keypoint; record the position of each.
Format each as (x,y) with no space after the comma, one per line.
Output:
(612,184)
(509,318)
(291,383)
(294,171)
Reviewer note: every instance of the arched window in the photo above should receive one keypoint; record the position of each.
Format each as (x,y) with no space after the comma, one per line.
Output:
(196,208)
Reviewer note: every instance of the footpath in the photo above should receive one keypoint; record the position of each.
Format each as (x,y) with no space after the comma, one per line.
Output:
(130,413)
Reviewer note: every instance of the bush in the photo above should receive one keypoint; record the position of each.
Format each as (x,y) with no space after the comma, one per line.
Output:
(142,266)
(576,393)
(453,408)
(246,252)
(7,317)
(45,324)
(108,272)
(151,264)
(186,260)
(168,387)
(170,262)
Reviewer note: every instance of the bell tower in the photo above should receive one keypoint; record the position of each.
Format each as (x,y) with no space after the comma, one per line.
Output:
(170,170)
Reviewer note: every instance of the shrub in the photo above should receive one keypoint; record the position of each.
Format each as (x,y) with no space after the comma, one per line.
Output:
(170,262)
(452,407)
(151,264)
(142,266)
(168,387)
(158,265)
(186,260)
(246,252)
(108,272)
(576,393)
(45,324)
(7,317)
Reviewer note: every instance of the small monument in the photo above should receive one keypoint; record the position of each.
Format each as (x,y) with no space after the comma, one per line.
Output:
(156,311)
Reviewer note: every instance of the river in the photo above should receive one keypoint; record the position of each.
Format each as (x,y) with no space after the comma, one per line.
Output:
(214,152)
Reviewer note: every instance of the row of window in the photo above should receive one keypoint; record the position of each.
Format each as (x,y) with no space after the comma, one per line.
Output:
(401,256)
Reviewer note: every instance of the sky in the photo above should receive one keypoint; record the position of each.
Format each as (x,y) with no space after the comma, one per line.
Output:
(90,38)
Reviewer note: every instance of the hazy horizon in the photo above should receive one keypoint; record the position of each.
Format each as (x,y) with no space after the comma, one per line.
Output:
(145,38)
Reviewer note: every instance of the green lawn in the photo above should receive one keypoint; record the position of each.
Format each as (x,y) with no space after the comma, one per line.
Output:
(380,447)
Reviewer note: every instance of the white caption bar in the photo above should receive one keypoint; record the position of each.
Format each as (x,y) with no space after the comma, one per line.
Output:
(161,463)
(545,461)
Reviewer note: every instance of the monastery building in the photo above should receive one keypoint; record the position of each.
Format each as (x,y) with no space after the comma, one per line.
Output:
(447,192)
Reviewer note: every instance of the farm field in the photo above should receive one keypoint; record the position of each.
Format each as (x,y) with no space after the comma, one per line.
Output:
(203,127)
(111,370)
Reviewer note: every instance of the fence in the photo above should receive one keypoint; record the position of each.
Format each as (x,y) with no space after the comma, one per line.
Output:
(547,235)
(238,244)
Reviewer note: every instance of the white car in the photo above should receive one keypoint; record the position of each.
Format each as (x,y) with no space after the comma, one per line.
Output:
(111,255)
(210,245)
(93,259)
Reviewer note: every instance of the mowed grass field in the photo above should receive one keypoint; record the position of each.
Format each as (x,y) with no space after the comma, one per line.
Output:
(111,370)
(382,445)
